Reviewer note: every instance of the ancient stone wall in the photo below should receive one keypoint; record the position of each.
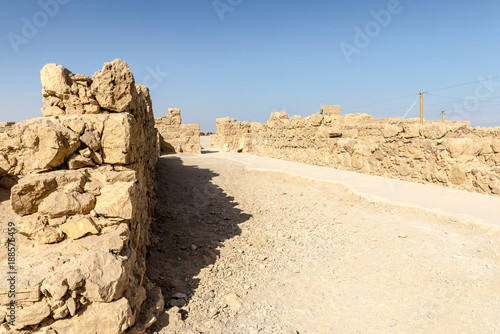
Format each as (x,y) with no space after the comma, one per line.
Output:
(81,181)
(176,137)
(6,126)
(451,154)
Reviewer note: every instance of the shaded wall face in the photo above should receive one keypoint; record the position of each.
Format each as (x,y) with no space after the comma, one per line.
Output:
(178,138)
(81,182)
(450,154)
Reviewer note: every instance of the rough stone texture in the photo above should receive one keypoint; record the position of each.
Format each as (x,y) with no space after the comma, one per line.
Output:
(450,154)
(176,137)
(81,182)
(79,228)
(114,87)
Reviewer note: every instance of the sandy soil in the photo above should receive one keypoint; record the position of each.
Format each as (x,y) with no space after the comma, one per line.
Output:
(266,252)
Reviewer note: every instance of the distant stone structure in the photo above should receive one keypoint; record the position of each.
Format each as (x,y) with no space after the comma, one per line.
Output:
(176,137)
(451,154)
(6,126)
(81,180)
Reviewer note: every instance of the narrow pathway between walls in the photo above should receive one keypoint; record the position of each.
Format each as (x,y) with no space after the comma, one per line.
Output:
(239,250)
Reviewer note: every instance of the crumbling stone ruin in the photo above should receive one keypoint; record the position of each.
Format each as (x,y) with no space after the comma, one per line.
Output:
(450,154)
(176,137)
(81,180)
(6,126)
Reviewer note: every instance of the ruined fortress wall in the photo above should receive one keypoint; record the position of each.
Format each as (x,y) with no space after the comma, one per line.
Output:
(176,137)
(83,179)
(232,136)
(450,154)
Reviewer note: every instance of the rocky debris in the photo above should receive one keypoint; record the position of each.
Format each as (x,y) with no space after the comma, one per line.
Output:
(82,179)
(450,154)
(176,137)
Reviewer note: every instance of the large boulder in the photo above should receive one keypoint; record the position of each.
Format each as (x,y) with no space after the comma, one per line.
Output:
(56,80)
(114,87)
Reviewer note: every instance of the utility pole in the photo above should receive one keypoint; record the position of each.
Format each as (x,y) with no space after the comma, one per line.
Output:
(442,115)
(421,107)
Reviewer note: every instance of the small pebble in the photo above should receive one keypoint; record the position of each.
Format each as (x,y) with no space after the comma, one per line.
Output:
(179,295)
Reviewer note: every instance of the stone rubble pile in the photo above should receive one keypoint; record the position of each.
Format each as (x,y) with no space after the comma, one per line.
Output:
(176,137)
(81,180)
(450,154)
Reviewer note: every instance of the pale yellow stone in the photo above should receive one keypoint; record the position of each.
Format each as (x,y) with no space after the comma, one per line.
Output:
(79,228)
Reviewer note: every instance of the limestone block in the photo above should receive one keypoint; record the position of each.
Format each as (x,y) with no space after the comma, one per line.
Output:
(114,87)
(174,116)
(441,177)
(94,127)
(116,139)
(315,120)
(116,201)
(56,80)
(105,276)
(414,151)
(48,235)
(331,110)
(42,143)
(80,228)
(495,145)
(433,131)
(457,175)
(279,115)
(61,203)
(91,108)
(27,195)
(54,287)
(52,111)
(404,170)
(391,131)
(32,314)
(411,130)
(60,312)
(73,105)
(114,317)
(76,161)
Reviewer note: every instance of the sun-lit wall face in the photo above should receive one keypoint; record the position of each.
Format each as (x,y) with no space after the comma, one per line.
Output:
(448,153)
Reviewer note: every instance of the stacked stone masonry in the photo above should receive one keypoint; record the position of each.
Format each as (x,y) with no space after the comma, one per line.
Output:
(81,180)
(450,154)
(176,137)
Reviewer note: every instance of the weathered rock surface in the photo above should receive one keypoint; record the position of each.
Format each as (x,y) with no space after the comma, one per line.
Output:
(81,179)
(114,87)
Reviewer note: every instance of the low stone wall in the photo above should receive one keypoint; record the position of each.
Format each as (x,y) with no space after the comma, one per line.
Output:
(176,137)
(83,182)
(451,154)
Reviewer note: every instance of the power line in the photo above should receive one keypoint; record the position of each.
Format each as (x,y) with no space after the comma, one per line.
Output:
(459,85)
(426,92)
(448,97)
(371,104)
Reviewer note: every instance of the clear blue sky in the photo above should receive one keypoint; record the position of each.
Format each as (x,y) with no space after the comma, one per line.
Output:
(248,58)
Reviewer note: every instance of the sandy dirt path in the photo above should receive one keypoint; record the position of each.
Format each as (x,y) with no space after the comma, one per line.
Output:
(245,251)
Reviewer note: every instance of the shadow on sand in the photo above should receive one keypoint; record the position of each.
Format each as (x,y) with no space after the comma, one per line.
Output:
(192,218)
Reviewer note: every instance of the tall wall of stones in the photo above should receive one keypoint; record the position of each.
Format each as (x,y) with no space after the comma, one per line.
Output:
(451,154)
(82,183)
(176,137)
